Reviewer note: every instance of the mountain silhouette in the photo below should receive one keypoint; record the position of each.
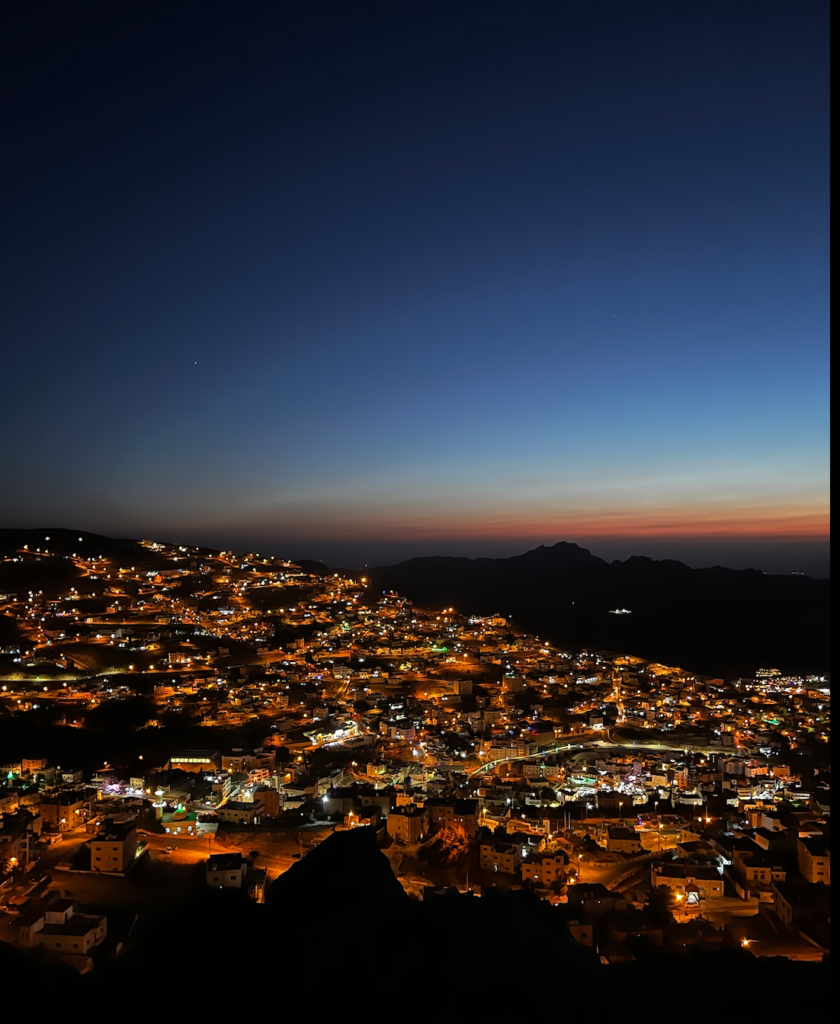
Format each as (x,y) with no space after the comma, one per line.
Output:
(715,621)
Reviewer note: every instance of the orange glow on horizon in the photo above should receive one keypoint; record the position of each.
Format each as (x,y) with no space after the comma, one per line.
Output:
(689,524)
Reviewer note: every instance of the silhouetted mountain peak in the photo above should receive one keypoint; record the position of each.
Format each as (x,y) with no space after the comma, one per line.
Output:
(717,621)
(346,874)
(563,553)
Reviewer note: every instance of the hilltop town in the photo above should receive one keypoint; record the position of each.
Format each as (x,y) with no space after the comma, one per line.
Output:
(190,718)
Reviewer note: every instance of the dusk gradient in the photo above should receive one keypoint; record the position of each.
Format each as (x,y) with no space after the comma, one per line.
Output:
(364,281)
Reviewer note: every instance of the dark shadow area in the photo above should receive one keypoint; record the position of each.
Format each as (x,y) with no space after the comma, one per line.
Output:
(338,924)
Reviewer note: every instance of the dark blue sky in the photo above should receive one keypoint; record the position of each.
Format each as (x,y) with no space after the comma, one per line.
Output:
(359,281)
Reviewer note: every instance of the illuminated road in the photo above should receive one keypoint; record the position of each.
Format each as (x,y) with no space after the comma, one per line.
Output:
(179,850)
(276,851)
(596,745)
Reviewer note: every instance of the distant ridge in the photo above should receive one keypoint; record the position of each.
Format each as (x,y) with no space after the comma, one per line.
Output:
(715,621)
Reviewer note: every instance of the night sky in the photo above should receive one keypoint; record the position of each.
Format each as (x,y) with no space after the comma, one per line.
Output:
(360,281)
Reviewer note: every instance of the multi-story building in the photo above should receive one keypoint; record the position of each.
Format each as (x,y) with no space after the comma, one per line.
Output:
(233,871)
(623,840)
(685,879)
(56,926)
(114,848)
(15,840)
(67,809)
(9,801)
(246,761)
(544,869)
(227,870)
(500,855)
(241,812)
(271,799)
(798,903)
(408,824)
(594,899)
(462,816)
(814,859)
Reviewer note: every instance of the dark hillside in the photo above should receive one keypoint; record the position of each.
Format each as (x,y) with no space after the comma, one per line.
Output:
(715,621)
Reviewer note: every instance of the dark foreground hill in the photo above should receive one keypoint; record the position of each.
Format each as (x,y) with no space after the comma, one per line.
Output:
(714,621)
(338,935)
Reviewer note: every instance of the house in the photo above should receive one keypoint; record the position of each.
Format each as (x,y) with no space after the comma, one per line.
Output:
(241,812)
(271,799)
(543,868)
(246,761)
(233,871)
(623,925)
(459,815)
(623,840)
(758,869)
(16,840)
(799,903)
(581,929)
(114,848)
(67,809)
(704,880)
(226,870)
(408,824)
(814,859)
(773,840)
(9,801)
(365,816)
(500,855)
(340,800)
(55,926)
(594,899)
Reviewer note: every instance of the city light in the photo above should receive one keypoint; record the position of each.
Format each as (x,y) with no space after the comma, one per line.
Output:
(438,728)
